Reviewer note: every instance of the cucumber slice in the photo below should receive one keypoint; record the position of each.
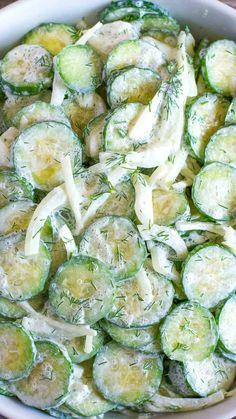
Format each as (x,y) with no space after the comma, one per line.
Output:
(52,36)
(75,346)
(81,108)
(227,333)
(208,275)
(214,192)
(133,308)
(115,134)
(132,84)
(222,146)
(48,383)
(120,202)
(93,137)
(130,337)
(13,104)
(227,354)
(110,35)
(164,35)
(155,22)
(80,68)
(40,163)
(210,375)
(22,277)
(202,87)
(189,332)
(62,412)
(17,351)
(115,241)
(10,309)
(37,112)
(200,54)
(13,188)
(138,53)
(26,70)
(204,116)
(5,389)
(58,254)
(15,217)
(218,67)
(154,347)
(231,114)
(82,290)
(83,398)
(129,10)
(177,378)
(169,206)
(126,376)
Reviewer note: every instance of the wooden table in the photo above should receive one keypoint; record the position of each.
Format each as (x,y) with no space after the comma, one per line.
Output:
(231,3)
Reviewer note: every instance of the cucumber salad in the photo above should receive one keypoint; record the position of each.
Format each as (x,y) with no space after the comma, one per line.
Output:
(118,216)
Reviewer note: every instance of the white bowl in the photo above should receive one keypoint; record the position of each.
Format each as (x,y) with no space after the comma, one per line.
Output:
(205,18)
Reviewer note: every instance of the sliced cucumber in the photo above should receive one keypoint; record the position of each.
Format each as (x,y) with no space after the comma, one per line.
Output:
(13,188)
(76,346)
(222,146)
(40,162)
(5,388)
(134,307)
(115,132)
(218,67)
(163,35)
(126,376)
(210,375)
(177,378)
(130,337)
(231,114)
(80,109)
(154,347)
(15,217)
(80,68)
(17,351)
(200,54)
(110,35)
(120,202)
(93,137)
(26,70)
(227,333)
(129,10)
(154,22)
(13,104)
(82,290)
(48,383)
(84,399)
(204,116)
(22,277)
(169,206)
(214,191)
(115,241)
(52,36)
(37,112)
(10,309)
(138,53)
(189,332)
(208,275)
(58,254)
(62,412)
(132,84)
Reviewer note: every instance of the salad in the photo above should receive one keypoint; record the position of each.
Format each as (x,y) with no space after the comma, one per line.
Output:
(117,216)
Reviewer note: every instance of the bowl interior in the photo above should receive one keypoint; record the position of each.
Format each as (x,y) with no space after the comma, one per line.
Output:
(205,18)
